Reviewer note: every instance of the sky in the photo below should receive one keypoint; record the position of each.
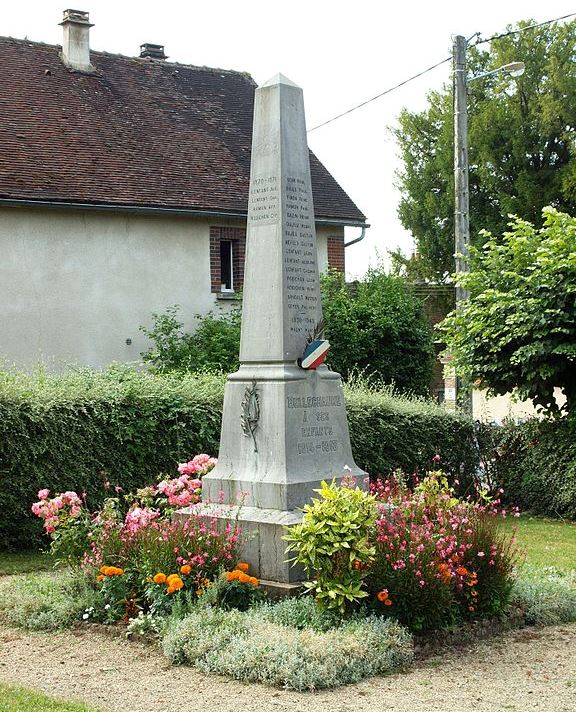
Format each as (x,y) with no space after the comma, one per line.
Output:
(340,53)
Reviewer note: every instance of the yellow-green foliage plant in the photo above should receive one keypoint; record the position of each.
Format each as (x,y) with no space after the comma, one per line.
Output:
(333,544)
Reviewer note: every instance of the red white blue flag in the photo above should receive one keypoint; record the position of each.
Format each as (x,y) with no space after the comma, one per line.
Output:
(315,353)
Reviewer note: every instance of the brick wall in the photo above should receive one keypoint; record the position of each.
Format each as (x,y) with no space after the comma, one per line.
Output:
(336,259)
(237,235)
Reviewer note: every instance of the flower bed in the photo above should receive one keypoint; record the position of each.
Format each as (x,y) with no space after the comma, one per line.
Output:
(382,563)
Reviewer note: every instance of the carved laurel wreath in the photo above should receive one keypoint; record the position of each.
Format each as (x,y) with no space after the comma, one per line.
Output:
(250,412)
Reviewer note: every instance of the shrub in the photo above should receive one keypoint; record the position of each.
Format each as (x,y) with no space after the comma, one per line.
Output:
(136,557)
(235,589)
(546,598)
(214,344)
(423,557)
(379,326)
(75,431)
(390,432)
(333,544)
(438,559)
(252,648)
(535,463)
(44,601)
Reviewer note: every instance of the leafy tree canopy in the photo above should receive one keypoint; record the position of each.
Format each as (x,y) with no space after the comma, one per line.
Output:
(522,148)
(518,329)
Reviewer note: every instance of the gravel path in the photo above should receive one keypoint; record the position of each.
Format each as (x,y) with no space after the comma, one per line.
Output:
(525,670)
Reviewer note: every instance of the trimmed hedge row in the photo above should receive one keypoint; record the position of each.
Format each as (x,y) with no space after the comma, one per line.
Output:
(76,430)
(535,463)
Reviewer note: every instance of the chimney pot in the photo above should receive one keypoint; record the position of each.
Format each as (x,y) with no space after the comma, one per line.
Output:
(76,40)
(154,51)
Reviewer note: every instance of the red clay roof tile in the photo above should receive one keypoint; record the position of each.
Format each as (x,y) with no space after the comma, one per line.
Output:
(136,132)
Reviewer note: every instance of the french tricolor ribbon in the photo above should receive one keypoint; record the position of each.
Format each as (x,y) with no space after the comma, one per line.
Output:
(315,353)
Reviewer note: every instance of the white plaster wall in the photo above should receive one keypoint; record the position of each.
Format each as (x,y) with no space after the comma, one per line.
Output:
(322,233)
(75,285)
(499,408)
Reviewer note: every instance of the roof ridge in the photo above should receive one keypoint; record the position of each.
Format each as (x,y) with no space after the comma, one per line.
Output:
(143,60)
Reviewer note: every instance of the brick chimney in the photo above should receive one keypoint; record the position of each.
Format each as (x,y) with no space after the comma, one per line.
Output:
(153,51)
(76,41)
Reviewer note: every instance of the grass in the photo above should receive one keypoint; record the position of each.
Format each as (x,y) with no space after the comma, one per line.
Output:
(24,562)
(19,699)
(548,542)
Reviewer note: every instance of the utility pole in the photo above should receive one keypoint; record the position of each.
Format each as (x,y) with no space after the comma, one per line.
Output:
(461,196)
(453,391)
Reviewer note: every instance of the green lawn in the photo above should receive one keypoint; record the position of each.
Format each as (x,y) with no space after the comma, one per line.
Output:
(548,542)
(18,699)
(24,562)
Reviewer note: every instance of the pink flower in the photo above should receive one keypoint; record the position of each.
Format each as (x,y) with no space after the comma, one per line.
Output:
(43,494)
(481,554)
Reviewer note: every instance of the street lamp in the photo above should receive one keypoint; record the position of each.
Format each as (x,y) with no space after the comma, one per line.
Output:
(461,190)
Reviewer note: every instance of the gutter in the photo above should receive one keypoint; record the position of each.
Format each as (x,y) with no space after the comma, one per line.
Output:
(357,239)
(150,210)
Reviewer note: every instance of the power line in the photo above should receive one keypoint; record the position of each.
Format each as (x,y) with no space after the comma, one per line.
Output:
(368,101)
(438,64)
(523,29)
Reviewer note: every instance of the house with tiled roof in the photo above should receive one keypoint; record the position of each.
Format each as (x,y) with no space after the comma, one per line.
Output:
(123,191)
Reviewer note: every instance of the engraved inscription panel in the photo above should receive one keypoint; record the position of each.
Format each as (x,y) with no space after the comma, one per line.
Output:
(264,201)
(315,433)
(301,272)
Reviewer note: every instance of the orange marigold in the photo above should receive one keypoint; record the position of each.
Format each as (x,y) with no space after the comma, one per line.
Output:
(382,596)
(244,578)
(159,578)
(254,581)
(175,585)
(171,578)
(100,577)
(462,571)
(186,569)
(387,602)
(243,566)
(233,575)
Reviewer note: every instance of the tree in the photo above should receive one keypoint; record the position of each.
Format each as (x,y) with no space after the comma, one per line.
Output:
(518,329)
(521,145)
(378,326)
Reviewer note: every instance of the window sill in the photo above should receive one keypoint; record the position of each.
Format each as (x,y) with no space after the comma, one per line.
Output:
(226,296)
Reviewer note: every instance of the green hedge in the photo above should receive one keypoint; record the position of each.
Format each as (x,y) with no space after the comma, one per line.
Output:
(535,463)
(75,430)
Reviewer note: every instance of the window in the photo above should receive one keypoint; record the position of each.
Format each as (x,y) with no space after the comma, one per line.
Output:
(227,250)
(227,265)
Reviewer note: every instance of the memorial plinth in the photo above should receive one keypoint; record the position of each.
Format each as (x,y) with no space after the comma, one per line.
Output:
(284,428)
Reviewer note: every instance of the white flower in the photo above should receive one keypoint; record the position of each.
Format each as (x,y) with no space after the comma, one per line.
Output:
(107,606)
(85,616)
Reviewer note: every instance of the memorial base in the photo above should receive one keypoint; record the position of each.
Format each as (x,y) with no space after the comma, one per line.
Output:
(264,549)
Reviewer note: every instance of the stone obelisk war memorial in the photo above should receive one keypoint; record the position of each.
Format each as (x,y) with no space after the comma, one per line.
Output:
(284,426)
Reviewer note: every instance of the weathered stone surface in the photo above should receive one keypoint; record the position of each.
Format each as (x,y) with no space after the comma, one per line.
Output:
(263,529)
(284,428)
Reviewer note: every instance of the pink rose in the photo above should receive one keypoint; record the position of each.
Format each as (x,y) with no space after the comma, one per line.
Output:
(43,494)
